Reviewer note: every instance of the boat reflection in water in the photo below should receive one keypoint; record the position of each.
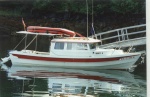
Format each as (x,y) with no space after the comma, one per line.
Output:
(58,82)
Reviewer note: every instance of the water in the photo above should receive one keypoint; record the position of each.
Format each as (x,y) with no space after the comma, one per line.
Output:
(57,82)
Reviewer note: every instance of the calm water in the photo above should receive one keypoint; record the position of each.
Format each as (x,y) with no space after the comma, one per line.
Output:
(58,82)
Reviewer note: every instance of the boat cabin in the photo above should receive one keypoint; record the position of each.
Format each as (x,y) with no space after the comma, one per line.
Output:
(77,47)
(74,46)
(75,43)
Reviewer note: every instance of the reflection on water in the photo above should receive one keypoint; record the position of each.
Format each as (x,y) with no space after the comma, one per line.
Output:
(57,82)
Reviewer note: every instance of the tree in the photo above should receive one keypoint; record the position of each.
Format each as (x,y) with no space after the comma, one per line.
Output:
(126,6)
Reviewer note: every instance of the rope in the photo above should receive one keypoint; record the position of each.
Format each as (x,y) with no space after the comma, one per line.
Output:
(26,41)
(30,42)
(19,43)
(36,44)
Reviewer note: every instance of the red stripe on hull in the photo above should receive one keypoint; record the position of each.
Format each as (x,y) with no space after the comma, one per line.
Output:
(69,59)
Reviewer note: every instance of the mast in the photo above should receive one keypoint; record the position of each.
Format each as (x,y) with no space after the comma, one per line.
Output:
(87,17)
(93,22)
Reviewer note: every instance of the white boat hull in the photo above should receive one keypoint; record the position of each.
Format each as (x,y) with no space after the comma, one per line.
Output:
(121,62)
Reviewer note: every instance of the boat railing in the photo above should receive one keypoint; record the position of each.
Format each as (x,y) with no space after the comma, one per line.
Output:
(122,34)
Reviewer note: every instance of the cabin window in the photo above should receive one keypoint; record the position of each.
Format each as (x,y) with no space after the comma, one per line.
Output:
(69,46)
(59,45)
(82,46)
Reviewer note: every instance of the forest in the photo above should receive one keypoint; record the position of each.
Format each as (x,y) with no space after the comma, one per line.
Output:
(71,14)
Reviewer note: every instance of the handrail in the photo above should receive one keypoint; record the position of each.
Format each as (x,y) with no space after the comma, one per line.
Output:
(122,34)
(142,25)
(136,32)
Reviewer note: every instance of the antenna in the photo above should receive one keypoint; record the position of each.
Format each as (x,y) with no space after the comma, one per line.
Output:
(87,16)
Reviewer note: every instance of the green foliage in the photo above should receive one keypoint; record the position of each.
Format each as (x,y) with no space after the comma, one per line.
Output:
(76,6)
(45,7)
(10,13)
(101,7)
(125,6)
(42,6)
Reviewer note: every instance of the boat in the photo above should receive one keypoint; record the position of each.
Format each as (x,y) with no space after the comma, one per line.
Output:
(69,49)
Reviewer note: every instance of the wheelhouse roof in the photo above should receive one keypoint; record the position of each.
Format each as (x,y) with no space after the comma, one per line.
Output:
(76,39)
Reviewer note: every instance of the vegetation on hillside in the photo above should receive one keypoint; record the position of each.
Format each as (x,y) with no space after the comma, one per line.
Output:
(71,14)
(46,7)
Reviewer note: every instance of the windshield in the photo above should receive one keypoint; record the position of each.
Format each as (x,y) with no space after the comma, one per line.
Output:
(93,46)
